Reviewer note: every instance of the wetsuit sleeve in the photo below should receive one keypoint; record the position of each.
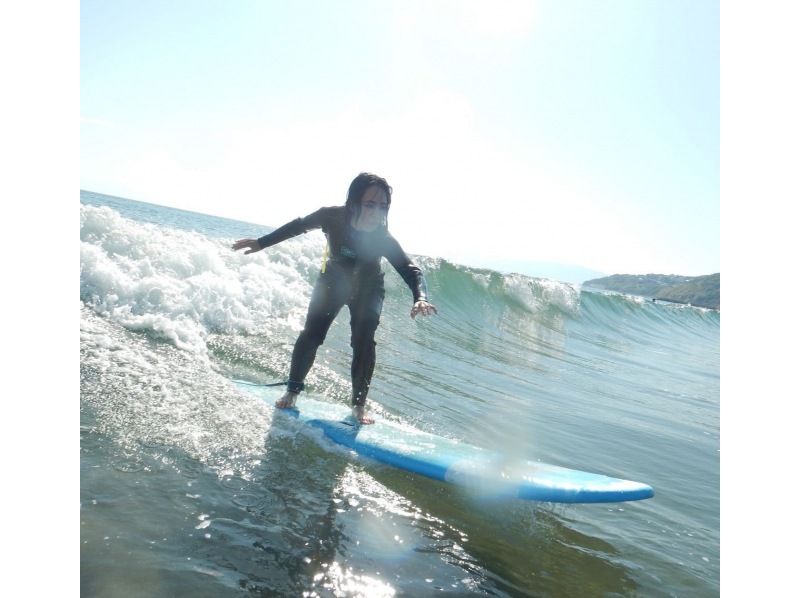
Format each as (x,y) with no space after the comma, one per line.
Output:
(298,226)
(407,269)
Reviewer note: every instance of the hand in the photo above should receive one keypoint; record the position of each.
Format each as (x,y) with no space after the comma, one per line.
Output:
(424,308)
(250,244)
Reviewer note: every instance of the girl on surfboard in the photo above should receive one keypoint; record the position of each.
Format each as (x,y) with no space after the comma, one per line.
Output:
(351,275)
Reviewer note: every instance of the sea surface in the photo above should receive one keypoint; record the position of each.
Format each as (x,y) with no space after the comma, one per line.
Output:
(190,487)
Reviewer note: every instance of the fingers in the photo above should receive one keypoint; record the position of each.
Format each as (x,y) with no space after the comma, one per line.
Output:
(250,244)
(424,308)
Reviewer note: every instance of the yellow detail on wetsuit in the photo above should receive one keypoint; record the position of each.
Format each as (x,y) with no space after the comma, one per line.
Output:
(324,259)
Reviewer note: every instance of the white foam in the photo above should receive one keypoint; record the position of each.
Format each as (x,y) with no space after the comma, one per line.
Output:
(138,396)
(181,285)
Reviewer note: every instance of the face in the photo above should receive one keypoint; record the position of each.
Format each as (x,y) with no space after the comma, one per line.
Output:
(374,206)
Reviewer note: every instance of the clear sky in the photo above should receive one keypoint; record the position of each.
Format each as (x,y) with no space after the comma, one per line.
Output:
(571,131)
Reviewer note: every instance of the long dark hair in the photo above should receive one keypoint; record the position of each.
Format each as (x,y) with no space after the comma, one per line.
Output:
(359,186)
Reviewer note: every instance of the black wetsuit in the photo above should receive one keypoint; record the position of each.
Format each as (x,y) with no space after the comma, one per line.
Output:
(351,276)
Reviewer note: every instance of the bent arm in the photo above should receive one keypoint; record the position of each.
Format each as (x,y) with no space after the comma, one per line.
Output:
(409,271)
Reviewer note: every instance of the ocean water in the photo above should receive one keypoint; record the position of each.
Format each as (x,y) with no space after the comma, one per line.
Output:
(188,489)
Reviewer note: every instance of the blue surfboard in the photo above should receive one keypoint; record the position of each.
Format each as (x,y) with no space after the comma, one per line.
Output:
(479,470)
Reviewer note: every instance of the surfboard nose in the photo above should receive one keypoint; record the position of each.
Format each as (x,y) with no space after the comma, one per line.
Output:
(619,491)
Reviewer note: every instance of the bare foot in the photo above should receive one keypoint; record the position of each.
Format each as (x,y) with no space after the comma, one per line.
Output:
(286,401)
(360,413)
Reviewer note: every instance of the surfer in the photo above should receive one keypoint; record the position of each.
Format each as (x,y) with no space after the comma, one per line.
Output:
(351,275)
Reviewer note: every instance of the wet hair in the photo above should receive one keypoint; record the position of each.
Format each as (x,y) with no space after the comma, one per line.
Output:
(357,188)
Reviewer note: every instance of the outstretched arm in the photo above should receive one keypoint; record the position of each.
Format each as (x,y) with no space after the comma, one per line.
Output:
(287,231)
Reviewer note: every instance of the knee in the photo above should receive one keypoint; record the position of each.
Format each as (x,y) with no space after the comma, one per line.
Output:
(363,333)
(312,337)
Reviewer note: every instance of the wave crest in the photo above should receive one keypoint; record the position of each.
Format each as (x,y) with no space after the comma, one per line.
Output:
(181,285)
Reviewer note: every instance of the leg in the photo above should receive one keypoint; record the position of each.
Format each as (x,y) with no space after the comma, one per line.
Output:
(363,343)
(327,299)
(365,311)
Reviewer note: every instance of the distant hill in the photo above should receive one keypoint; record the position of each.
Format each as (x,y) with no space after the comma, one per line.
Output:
(701,291)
